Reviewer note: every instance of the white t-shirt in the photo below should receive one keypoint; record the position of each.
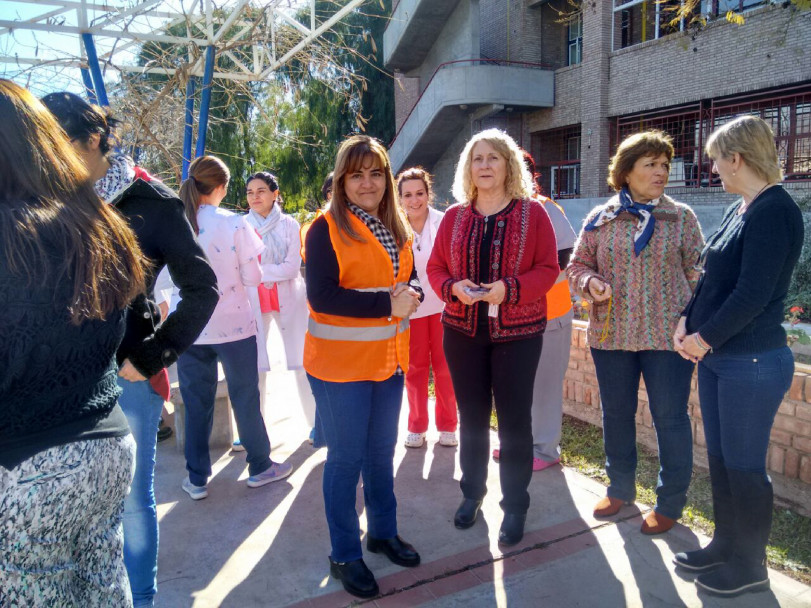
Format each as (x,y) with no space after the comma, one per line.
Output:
(422,246)
(233,249)
(564,233)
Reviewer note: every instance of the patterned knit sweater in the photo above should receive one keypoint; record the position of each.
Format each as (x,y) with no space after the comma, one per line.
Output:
(649,291)
(523,254)
(57,380)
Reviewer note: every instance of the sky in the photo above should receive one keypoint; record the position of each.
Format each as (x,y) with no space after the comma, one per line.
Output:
(46,45)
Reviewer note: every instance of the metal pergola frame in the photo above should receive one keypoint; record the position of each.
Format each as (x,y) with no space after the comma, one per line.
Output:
(206,27)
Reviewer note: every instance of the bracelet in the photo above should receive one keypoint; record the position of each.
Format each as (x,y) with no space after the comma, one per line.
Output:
(699,343)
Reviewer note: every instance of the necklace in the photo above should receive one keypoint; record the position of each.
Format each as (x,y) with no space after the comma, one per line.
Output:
(742,209)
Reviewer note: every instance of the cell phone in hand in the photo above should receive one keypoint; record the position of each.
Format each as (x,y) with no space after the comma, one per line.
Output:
(475,291)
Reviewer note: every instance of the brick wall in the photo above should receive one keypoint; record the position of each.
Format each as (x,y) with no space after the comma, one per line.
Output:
(770,49)
(789,456)
(594,100)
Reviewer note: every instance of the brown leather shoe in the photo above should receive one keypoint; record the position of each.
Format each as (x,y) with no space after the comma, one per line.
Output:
(608,506)
(656,523)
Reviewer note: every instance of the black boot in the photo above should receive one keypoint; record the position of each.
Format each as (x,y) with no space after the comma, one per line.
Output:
(720,548)
(467,513)
(512,529)
(356,578)
(752,499)
(396,549)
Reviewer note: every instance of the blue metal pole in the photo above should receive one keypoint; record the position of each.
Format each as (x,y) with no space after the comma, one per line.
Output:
(88,85)
(205,102)
(95,70)
(188,127)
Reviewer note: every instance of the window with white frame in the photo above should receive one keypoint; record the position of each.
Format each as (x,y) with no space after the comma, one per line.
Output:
(557,155)
(637,21)
(575,37)
(716,8)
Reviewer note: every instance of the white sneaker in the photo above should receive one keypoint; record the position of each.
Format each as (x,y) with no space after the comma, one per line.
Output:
(196,492)
(237,446)
(448,439)
(415,440)
(275,472)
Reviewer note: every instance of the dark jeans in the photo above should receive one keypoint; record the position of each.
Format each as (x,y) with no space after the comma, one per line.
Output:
(358,420)
(667,381)
(739,397)
(483,371)
(197,376)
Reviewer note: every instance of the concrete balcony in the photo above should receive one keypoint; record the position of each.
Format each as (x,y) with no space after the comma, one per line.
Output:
(462,90)
(413,30)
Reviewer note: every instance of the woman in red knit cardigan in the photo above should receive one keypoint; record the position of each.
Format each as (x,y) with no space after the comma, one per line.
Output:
(493,261)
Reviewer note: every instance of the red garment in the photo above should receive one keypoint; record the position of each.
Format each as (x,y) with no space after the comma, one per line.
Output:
(523,255)
(425,350)
(268,298)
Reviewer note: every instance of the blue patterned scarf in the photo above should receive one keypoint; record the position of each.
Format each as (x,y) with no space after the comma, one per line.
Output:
(641,210)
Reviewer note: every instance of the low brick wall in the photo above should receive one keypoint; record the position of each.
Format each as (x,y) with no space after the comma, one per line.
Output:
(789,459)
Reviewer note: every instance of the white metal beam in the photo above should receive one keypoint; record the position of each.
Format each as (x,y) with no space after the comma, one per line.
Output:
(350,6)
(123,20)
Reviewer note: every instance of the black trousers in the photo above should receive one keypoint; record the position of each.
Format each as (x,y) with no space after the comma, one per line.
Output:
(483,371)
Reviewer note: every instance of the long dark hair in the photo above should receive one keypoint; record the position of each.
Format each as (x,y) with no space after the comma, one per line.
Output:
(80,119)
(47,204)
(205,175)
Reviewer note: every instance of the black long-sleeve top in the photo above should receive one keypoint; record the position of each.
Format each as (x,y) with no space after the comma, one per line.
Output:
(325,293)
(737,306)
(156,216)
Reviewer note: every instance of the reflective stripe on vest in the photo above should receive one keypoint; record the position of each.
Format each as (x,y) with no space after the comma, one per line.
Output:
(355,334)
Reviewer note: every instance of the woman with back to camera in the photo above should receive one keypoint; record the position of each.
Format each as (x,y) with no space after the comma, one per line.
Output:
(636,260)
(156,216)
(282,295)
(732,326)
(425,350)
(493,262)
(69,266)
(233,248)
(362,287)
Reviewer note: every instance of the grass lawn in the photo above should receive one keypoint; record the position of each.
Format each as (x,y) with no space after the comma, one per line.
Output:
(790,543)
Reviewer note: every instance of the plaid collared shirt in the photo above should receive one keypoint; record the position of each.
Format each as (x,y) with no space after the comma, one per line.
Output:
(381,233)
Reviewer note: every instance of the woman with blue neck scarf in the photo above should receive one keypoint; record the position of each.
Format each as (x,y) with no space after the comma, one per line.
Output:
(635,261)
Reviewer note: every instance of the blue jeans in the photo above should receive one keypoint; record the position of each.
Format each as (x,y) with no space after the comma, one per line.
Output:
(739,397)
(197,375)
(667,381)
(359,423)
(142,406)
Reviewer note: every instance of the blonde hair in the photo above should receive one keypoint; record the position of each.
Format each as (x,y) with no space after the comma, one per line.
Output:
(634,147)
(205,175)
(353,154)
(518,183)
(752,138)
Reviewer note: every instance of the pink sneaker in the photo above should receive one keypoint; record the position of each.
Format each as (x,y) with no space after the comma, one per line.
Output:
(538,464)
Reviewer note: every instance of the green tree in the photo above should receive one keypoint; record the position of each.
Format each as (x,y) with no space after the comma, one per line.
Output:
(322,101)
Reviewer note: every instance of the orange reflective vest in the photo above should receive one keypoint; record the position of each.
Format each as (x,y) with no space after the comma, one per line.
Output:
(559,298)
(351,349)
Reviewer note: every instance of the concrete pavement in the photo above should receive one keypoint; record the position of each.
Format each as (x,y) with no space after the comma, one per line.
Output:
(268,546)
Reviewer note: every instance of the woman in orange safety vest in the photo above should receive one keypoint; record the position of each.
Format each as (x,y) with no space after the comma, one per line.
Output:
(362,288)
